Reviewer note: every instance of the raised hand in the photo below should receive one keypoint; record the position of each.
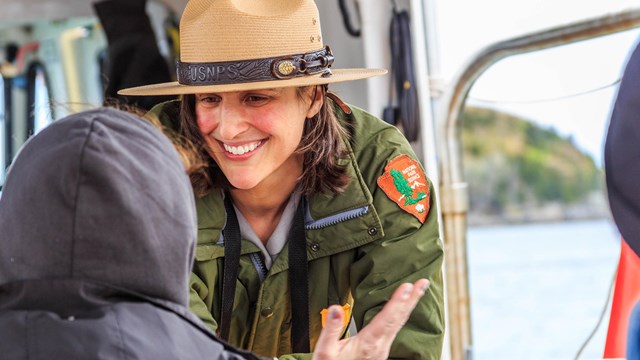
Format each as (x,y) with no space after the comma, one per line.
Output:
(374,340)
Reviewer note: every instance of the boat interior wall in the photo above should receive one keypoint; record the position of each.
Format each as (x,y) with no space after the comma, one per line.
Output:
(52,66)
(24,11)
(370,49)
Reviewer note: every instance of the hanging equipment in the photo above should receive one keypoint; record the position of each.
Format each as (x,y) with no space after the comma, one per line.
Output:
(406,111)
(346,18)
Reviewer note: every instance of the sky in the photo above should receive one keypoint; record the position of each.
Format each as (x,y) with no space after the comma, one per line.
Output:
(519,84)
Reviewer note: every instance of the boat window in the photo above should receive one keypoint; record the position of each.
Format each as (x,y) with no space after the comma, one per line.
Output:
(539,223)
(40,112)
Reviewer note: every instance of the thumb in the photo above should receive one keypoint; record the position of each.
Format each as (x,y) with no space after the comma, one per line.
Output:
(327,345)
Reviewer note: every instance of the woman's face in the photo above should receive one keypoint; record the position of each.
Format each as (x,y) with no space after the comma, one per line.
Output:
(252,135)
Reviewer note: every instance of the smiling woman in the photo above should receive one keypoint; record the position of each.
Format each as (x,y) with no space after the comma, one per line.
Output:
(270,122)
(305,202)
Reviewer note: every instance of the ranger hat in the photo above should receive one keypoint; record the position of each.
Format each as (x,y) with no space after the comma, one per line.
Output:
(238,45)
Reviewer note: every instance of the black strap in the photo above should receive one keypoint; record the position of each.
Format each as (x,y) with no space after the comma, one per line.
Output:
(298,276)
(346,18)
(231,262)
(403,77)
(299,282)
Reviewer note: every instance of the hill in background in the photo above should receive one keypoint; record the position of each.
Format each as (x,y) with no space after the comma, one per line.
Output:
(518,171)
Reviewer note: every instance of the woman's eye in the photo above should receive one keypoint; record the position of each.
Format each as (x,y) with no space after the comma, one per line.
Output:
(209,99)
(256,99)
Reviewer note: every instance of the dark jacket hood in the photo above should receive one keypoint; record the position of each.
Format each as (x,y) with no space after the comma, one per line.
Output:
(622,154)
(100,196)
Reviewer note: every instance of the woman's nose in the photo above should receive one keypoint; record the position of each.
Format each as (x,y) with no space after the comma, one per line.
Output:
(231,122)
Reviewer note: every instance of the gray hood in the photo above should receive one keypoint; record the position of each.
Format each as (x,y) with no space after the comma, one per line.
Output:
(100,196)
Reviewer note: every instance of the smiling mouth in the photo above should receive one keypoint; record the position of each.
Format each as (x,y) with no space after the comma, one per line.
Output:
(243,149)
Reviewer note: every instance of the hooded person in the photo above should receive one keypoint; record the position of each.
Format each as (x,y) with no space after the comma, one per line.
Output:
(98,232)
(305,202)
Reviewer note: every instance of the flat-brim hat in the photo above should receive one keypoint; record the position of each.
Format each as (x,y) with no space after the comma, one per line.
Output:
(239,45)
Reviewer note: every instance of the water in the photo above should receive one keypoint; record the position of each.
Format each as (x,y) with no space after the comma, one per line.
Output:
(537,291)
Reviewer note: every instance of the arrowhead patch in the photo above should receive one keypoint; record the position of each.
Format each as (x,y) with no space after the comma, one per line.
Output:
(345,321)
(404,182)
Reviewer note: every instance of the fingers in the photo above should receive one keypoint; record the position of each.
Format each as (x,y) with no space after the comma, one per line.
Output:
(327,346)
(395,313)
(374,340)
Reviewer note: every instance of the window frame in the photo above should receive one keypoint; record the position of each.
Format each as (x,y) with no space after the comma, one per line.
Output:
(32,76)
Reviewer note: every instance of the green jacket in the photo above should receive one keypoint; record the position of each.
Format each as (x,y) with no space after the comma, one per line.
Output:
(361,247)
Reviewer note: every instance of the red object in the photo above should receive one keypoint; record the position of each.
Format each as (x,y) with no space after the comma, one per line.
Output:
(625,296)
(23,51)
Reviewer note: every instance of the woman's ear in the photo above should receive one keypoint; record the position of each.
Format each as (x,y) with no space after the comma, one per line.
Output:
(317,99)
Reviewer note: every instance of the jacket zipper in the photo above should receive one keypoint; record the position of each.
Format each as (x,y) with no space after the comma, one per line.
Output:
(261,269)
(337,218)
(257,261)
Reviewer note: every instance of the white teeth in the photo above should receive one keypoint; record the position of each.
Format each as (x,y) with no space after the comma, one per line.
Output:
(239,150)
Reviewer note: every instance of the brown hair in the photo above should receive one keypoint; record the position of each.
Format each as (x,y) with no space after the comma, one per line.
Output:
(322,146)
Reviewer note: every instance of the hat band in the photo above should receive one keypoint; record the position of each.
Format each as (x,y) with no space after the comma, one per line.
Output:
(276,68)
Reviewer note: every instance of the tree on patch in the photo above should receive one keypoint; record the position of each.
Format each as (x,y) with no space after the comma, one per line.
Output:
(411,201)
(401,183)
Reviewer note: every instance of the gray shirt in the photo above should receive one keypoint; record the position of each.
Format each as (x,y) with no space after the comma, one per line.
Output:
(278,238)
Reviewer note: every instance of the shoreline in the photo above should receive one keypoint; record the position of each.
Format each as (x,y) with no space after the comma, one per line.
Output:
(475,220)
